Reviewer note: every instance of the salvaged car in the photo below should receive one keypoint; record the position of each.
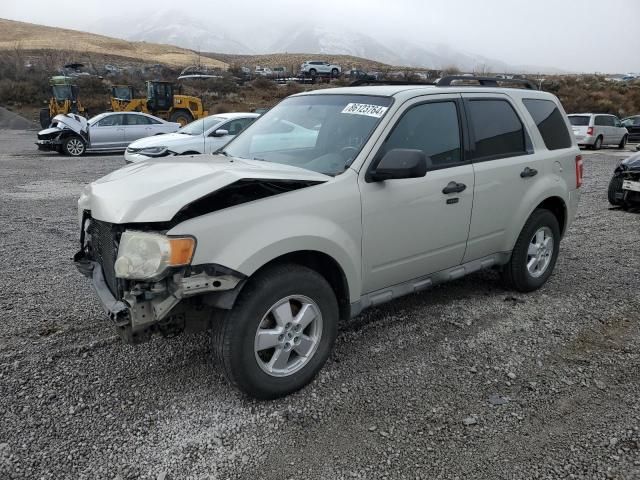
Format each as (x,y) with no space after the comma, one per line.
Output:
(624,187)
(333,201)
(202,136)
(72,134)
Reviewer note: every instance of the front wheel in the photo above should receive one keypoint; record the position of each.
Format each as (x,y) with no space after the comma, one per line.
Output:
(535,253)
(73,146)
(334,72)
(45,118)
(279,333)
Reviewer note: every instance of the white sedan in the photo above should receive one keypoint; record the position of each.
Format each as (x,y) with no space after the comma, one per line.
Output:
(202,136)
(112,131)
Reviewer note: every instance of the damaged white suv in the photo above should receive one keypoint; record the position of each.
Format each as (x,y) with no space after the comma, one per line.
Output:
(333,201)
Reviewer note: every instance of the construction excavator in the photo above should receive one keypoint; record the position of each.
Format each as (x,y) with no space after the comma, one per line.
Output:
(162,100)
(64,99)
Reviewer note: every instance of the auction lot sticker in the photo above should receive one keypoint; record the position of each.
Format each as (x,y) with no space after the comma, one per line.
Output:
(365,109)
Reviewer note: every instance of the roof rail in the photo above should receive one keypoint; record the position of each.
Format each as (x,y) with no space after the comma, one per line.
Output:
(364,81)
(484,81)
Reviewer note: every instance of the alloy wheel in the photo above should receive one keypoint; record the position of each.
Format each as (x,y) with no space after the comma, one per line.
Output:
(540,252)
(288,336)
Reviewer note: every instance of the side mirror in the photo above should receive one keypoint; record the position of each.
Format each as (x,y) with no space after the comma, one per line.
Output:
(400,163)
(220,133)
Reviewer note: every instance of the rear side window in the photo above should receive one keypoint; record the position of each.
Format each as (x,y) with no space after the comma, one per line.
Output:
(497,129)
(605,121)
(137,120)
(579,120)
(550,123)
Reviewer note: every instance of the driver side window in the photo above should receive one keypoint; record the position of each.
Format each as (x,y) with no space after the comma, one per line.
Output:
(432,128)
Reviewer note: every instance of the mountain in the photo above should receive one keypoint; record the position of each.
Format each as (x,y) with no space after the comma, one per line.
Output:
(392,51)
(331,41)
(179,29)
(31,37)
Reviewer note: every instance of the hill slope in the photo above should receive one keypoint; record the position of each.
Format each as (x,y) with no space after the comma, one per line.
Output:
(28,36)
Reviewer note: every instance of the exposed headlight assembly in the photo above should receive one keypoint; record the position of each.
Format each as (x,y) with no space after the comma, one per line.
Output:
(146,256)
(154,151)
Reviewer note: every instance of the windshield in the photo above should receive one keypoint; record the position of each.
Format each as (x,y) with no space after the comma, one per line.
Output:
(579,121)
(121,93)
(200,126)
(62,92)
(323,133)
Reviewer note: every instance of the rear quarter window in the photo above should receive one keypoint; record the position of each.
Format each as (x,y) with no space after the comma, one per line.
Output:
(579,120)
(550,122)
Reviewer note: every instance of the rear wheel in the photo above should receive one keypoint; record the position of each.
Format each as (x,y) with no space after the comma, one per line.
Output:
(313,72)
(73,146)
(45,119)
(279,333)
(623,143)
(182,117)
(535,253)
(598,144)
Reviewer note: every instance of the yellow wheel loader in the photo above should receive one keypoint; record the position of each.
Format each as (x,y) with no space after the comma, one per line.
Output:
(161,101)
(64,99)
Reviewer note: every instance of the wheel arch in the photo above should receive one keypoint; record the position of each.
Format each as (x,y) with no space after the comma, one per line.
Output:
(558,207)
(323,264)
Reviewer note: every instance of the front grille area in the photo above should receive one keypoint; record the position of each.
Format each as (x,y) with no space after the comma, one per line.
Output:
(104,250)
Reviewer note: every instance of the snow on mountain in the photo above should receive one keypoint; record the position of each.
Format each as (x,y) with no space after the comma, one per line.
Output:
(176,28)
(182,29)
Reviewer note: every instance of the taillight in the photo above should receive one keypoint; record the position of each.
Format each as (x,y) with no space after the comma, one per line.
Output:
(579,171)
(590,131)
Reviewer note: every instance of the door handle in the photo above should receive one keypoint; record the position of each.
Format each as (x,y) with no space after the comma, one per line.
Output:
(454,187)
(528,172)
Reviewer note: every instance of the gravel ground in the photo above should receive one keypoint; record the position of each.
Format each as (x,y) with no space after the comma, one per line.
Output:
(466,381)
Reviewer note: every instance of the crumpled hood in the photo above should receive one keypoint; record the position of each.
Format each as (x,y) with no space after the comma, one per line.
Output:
(155,190)
(168,140)
(75,122)
(631,163)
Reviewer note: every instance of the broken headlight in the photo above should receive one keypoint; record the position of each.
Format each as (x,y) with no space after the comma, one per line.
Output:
(145,255)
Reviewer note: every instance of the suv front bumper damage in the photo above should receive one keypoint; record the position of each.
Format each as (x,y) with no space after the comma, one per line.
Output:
(166,306)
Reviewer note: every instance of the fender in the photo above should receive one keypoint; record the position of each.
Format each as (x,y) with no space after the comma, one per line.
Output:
(547,187)
(326,218)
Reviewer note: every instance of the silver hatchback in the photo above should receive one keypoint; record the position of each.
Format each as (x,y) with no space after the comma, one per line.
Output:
(594,130)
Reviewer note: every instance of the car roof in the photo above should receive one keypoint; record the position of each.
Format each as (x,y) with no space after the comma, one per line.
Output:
(586,114)
(232,115)
(404,92)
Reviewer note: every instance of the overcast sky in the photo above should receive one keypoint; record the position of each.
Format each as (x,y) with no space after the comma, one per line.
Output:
(575,35)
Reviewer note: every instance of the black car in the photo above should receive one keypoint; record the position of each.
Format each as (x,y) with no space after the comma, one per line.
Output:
(633,127)
(624,187)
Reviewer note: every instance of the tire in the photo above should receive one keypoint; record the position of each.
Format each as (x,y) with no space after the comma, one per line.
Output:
(182,117)
(623,143)
(45,119)
(73,146)
(615,186)
(516,273)
(313,72)
(281,288)
(335,72)
(598,144)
